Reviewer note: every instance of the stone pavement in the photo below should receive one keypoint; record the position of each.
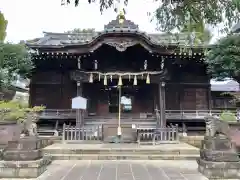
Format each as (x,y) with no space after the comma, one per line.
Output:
(122,170)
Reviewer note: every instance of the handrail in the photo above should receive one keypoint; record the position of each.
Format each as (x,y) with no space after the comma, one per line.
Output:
(71,112)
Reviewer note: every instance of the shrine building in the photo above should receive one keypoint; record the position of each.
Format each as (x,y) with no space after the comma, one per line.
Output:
(123,73)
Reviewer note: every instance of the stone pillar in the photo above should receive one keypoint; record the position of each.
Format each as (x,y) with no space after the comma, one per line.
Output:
(162,104)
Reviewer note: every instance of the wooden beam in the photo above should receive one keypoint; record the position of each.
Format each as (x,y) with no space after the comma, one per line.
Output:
(162,103)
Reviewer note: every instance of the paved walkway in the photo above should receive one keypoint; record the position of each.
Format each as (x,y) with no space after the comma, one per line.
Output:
(178,146)
(122,170)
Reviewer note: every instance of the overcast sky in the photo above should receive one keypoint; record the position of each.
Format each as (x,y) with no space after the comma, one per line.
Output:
(27,19)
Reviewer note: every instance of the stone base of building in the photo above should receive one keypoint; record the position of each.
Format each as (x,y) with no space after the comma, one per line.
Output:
(219,170)
(24,169)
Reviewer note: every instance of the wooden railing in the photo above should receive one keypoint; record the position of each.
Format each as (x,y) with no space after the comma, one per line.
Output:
(190,114)
(170,114)
(158,135)
(73,133)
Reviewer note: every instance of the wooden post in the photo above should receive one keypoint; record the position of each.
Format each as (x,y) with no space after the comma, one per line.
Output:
(209,95)
(79,118)
(63,133)
(161,89)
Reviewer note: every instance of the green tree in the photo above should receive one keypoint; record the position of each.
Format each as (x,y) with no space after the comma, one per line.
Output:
(202,33)
(172,14)
(224,58)
(3,27)
(224,61)
(15,60)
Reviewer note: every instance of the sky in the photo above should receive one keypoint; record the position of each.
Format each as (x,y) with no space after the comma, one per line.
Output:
(27,19)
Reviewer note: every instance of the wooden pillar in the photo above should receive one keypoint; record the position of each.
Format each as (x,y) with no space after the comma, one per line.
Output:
(209,97)
(79,114)
(162,104)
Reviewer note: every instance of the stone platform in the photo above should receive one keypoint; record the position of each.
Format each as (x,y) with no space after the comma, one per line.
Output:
(24,169)
(181,151)
(122,170)
(24,158)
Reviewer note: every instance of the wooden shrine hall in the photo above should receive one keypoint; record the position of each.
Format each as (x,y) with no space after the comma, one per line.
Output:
(125,74)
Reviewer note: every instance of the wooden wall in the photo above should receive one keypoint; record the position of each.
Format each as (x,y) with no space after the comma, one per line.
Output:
(52,89)
(188,88)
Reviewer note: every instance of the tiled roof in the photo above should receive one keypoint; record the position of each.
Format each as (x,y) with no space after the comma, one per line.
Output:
(127,28)
(227,86)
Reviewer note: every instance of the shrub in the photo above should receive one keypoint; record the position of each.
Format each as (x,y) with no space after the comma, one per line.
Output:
(13,110)
(228,116)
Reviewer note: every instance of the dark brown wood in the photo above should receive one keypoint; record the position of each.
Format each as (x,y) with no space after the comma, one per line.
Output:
(55,81)
(162,103)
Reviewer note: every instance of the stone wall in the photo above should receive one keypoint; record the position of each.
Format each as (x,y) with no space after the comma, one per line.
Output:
(192,140)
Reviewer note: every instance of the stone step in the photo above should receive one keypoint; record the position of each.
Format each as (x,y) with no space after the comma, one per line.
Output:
(123,157)
(121,151)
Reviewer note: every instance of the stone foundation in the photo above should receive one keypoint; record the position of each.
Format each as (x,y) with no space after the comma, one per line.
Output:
(23,159)
(24,169)
(219,170)
(218,156)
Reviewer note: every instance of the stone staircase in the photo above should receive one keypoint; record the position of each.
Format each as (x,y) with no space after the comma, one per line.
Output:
(179,151)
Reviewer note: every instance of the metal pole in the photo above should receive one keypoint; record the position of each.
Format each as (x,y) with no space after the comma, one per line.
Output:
(119,131)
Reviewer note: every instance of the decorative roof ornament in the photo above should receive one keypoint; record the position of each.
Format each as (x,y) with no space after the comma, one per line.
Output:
(121,23)
(121,17)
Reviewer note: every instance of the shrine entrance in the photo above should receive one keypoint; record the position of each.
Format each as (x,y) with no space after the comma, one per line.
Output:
(120,98)
(128,99)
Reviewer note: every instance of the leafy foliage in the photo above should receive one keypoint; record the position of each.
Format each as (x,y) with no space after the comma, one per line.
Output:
(228,116)
(173,14)
(14,110)
(224,58)
(212,12)
(3,27)
(14,59)
(202,34)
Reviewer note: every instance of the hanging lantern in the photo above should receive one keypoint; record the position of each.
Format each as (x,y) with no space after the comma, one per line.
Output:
(135,80)
(105,80)
(111,78)
(148,79)
(99,77)
(91,78)
(120,81)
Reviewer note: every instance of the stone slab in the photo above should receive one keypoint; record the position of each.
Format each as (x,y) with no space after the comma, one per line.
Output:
(121,151)
(122,157)
(216,144)
(223,170)
(9,131)
(122,170)
(219,156)
(24,169)
(27,143)
(27,155)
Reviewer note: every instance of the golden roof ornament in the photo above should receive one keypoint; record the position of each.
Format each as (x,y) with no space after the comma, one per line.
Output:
(121,17)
